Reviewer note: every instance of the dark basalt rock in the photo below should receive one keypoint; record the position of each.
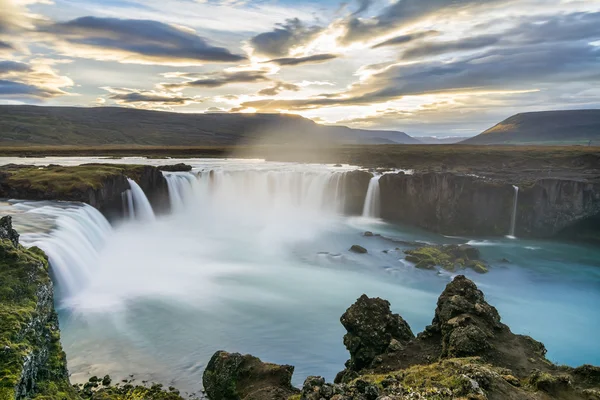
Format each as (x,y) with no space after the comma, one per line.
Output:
(180,167)
(7,231)
(355,186)
(372,330)
(232,376)
(358,249)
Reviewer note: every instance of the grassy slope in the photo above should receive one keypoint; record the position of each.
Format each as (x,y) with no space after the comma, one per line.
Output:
(29,125)
(544,128)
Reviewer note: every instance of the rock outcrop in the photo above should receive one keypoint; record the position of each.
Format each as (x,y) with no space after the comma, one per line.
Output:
(466,353)
(450,257)
(457,204)
(372,330)
(355,185)
(99,185)
(33,362)
(232,376)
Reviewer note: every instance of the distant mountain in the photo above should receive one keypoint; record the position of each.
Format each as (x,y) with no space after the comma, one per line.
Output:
(441,139)
(548,127)
(31,125)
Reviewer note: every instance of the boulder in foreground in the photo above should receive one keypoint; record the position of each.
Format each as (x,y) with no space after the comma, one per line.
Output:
(232,376)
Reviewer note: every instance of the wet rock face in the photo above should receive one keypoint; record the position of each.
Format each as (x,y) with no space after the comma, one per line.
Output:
(232,376)
(455,204)
(7,231)
(355,184)
(372,328)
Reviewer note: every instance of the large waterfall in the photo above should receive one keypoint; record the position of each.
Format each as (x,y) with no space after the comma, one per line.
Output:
(258,192)
(248,253)
(372,205)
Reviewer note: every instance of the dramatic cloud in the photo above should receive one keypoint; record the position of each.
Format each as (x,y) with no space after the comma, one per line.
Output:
(36,80)
(150,99)
(315,59)
(281,41)
(13,66)
(133,41)
(400,14)
(216,79)
(278,88)
(435,48)
(363,6)
(404,39)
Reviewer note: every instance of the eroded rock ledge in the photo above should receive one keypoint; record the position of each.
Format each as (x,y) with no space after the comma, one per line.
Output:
(466,353)
(99,185)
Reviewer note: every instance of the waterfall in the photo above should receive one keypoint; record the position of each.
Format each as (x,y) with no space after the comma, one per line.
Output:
(372,207)
(181,186)
(73,245)
(139,206)
(258,191)
(513,223)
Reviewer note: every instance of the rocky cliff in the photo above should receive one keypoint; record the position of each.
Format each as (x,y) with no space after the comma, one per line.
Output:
(31,355)
(99,185)
(456,204)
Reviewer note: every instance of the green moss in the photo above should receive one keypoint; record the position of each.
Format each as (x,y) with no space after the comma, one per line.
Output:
(295,397)
(449,257)
(65,180)
(28,324)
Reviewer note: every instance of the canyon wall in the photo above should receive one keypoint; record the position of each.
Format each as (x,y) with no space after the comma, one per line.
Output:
(454,204)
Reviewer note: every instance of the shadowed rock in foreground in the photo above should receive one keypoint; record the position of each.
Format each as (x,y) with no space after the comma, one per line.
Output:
(232,376)
(466,353)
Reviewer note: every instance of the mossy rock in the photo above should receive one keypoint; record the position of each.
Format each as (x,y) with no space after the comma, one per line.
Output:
(449,257)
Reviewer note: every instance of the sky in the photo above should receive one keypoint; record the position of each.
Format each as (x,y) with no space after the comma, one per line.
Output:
(425,67)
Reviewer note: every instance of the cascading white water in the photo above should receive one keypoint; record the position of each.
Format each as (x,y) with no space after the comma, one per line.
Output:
(372,207)
(180,185)
(139,206)
(513,223)
(262,192)
(73,245)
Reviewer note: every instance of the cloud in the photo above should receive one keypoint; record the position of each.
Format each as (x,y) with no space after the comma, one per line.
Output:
(278,88)
(314,59)
(13,66)
(133,41)
(363,6)
(520,68)
(150,99)
(281,41)
(34,80)
(400,14)
(216,79)
(404,39)
(428,49)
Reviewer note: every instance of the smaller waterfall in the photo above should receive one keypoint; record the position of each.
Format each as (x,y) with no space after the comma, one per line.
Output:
(139,206)
(513,223)
(181,185)
(73,245)
(372,207)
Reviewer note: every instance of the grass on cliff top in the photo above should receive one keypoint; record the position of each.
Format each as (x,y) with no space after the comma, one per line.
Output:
(67,179)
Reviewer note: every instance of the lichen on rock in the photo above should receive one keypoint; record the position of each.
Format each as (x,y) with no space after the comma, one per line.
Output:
(450,257)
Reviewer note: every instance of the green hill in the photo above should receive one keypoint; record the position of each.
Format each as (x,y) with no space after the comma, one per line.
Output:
(31,125)
(544,128)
